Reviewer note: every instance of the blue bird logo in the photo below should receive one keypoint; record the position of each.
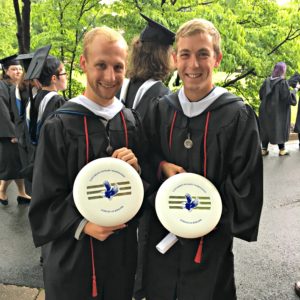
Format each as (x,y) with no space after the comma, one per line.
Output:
(110,191)
(190,203)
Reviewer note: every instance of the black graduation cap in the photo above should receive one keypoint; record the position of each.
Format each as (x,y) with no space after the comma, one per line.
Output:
(25,59)
(157,33)
(9,61)
(37,63)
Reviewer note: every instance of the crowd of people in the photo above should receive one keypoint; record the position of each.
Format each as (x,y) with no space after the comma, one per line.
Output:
(201,128)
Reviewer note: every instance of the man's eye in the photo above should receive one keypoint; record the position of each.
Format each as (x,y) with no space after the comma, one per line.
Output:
(101,66)
(119,68)
(184,55)
(203,54)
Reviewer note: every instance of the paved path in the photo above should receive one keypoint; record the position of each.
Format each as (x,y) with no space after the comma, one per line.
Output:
(265,270)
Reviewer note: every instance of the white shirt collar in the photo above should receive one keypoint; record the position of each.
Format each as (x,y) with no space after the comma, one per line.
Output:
(106,112)
(192,109)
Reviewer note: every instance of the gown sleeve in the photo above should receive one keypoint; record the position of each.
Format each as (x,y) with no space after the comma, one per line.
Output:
(6,123)
(52,212)
(152,125)
(287,94)
(243,185)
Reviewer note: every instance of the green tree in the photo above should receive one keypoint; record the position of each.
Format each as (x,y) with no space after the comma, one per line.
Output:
(255,33)
(8,25)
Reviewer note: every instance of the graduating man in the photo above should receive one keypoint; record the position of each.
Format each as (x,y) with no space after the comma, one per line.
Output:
(205,130)
(84,260)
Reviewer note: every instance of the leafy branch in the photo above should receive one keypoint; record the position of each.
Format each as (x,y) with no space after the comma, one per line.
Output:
(292,34)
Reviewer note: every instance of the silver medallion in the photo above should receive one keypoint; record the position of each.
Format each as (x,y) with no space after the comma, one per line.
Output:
(188,143)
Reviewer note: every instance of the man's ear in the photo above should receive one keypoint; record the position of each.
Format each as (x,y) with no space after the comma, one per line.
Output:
(174,54)
(83,63)
(54,79)
(218,60)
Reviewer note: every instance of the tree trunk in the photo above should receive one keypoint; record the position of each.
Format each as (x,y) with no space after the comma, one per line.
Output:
(26,25)
(23,25)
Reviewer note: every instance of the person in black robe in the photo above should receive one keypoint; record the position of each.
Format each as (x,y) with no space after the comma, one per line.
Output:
(150,63)
(20,96)
(53,79)
(294,82)
(206,130)
(83,260)
(50,75)
(275,110)
(10,163)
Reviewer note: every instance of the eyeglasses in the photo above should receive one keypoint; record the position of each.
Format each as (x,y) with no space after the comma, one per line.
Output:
(61,74)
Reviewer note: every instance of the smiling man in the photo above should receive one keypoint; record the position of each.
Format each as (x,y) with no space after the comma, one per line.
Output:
(206,130)
(81,259)
(103,62)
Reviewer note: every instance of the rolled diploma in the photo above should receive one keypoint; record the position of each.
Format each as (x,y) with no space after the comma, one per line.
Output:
(166,243)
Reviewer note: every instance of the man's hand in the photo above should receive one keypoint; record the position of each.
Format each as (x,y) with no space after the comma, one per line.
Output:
(128,156)
(169,169)
(101,233)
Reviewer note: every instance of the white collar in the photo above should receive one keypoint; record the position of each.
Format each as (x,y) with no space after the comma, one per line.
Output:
(142,90)
(192,109)
(106,112)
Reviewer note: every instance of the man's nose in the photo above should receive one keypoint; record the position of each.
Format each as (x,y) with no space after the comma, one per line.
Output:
(109,74)
(194,61)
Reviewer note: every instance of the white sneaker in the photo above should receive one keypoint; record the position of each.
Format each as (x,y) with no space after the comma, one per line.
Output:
(283,152)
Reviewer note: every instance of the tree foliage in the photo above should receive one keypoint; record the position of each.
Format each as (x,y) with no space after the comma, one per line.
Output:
(255,33)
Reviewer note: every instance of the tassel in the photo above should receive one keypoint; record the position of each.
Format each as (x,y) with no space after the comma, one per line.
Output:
(94,283)
(198,256)
(94,288)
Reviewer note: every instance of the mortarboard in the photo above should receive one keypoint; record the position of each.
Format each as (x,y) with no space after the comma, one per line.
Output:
(9,61)
(37,63)
(157,33)
(25,59)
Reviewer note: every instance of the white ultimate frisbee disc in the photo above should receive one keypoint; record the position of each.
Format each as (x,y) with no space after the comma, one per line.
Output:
(188,205)
(108,191)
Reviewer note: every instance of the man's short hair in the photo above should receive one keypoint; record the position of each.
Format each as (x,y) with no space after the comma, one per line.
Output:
(108,33)
(196,26)
(50,68)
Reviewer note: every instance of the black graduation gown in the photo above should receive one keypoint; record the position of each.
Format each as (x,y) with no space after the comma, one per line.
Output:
(61,153)
(293,82)
(155,91)
(54,103)
(275,111)
(297,123)
(20,122)
(226,149)
(10,163)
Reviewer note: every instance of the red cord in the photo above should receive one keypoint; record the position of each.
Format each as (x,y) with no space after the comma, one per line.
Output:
(94,282)
(198,255)
(125,128)
(86,139)
(171,130)
(205,139)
